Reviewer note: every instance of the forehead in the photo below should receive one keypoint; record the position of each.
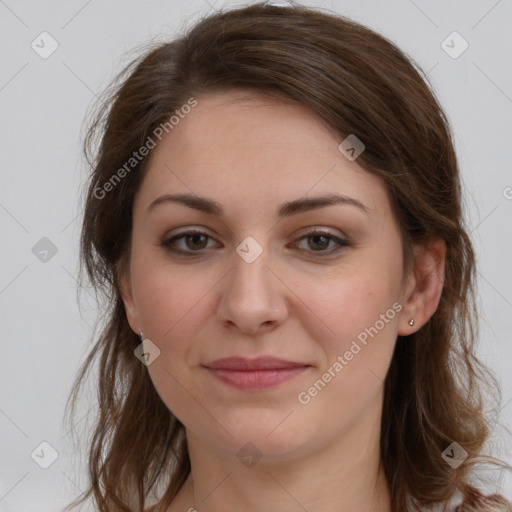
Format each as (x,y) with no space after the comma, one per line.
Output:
(249,148)
(232,122)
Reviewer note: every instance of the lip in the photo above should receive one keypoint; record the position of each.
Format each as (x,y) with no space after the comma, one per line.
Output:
(255,374)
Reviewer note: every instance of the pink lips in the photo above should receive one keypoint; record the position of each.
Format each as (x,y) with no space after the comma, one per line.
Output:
(254,374)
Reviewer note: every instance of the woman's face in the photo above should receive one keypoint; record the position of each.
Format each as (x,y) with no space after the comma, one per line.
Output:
(255,282)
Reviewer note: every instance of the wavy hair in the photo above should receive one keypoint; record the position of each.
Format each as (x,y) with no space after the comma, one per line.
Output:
(359,83)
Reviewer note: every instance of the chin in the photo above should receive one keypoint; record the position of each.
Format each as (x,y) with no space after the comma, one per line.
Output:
(258,433)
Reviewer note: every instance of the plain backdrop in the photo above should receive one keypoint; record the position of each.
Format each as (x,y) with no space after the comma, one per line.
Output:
(44,99)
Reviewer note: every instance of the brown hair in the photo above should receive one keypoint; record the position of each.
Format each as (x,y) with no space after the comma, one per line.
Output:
(359,83)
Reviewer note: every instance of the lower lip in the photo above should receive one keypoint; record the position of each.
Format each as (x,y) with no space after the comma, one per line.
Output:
(256,379)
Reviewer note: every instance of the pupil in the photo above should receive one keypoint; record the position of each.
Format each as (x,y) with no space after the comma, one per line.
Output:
(321,237)
(194,238)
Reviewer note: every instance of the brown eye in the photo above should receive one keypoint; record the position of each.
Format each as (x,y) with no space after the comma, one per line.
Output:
(193,241)
(190,242)
(319,242)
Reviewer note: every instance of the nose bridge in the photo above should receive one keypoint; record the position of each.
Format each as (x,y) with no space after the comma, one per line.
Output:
(252,295)
(250,270)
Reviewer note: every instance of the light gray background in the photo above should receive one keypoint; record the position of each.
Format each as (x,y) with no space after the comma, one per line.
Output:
(43,103)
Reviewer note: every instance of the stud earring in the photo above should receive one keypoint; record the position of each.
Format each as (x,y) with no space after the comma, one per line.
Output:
(141,336)
(411,322)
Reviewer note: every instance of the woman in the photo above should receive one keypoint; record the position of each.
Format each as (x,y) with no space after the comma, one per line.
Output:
(274,217)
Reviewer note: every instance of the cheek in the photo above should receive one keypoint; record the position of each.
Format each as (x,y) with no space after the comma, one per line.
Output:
(361,308)
(167,295)
(363,314)
(356,300)
(173,308)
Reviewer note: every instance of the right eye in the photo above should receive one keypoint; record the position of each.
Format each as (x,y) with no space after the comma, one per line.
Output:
(194,241)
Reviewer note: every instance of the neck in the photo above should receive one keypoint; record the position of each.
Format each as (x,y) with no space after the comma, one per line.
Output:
(341,476)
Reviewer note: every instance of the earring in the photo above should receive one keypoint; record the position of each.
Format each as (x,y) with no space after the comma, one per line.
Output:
(411,322)
(141,336)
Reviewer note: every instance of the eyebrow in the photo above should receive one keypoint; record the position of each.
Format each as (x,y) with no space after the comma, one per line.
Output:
(287,209)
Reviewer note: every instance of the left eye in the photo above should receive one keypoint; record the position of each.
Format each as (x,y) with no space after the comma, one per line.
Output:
(321,241)
(195,241)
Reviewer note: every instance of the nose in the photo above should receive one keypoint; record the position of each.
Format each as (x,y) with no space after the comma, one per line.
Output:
(253,296)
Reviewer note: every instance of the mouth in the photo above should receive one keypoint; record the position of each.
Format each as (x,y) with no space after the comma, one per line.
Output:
(255,374)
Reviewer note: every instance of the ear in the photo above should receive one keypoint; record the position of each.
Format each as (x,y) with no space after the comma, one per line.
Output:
(125,288)
(424,286)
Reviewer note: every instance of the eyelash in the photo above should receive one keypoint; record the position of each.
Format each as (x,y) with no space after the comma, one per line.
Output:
(341,243)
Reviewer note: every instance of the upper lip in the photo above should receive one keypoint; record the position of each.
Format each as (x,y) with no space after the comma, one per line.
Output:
(246,364)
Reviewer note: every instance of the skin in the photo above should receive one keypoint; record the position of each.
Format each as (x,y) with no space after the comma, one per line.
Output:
(251,154)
